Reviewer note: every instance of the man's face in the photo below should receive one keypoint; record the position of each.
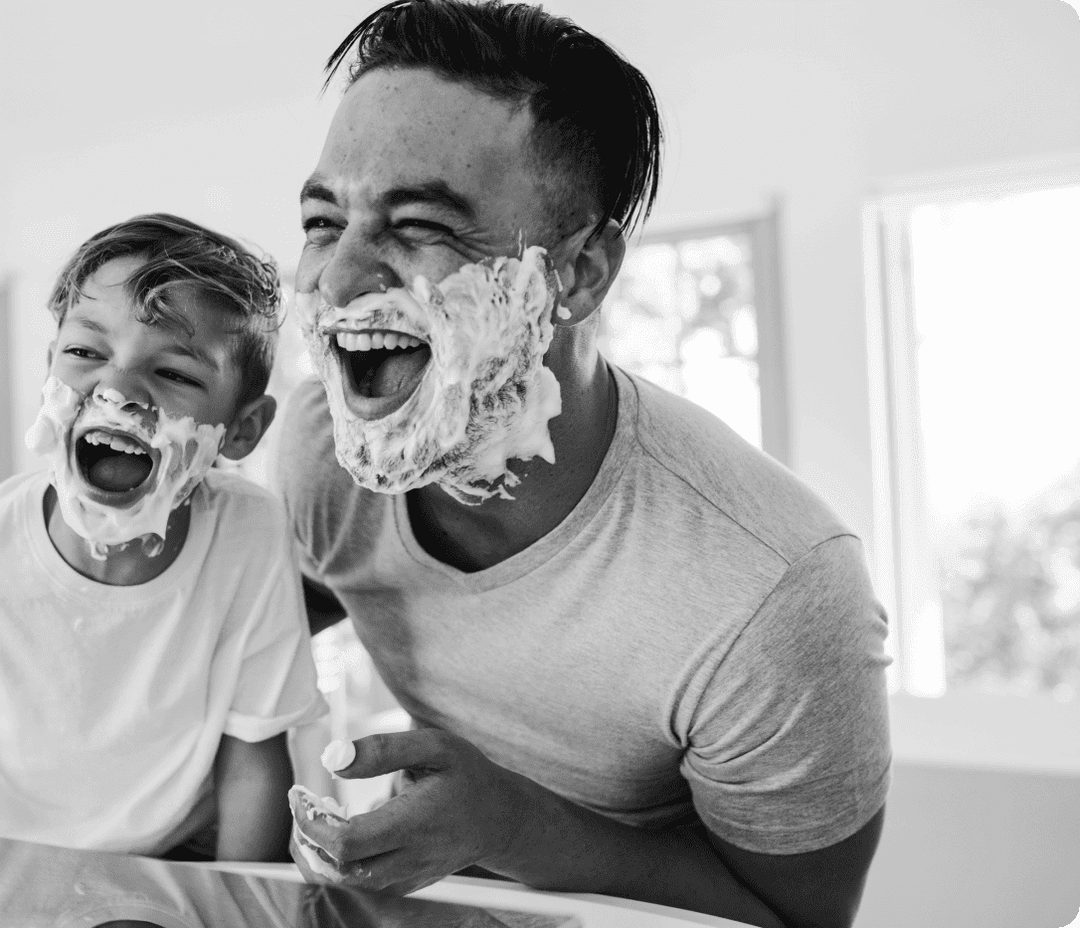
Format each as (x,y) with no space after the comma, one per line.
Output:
(419,178)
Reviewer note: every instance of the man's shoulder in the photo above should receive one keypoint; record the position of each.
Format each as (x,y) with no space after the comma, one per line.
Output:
(327,510)
(304,455)
(720,471)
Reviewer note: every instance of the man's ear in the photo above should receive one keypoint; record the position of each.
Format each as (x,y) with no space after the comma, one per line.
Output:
(248,427)
(587,269)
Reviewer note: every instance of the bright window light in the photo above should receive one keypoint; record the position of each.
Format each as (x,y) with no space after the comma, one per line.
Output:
(994,293)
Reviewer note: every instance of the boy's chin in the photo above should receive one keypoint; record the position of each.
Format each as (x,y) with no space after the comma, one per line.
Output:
(114,499)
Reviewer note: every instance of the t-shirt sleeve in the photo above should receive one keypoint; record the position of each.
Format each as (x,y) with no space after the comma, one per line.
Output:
(276,684)
(789,742)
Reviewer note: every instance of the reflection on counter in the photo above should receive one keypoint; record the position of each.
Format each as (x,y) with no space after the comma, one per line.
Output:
(49,887)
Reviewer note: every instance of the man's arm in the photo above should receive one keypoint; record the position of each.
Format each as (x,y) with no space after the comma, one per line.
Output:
(323,607)
(691,868)
(252,781)
(458,809)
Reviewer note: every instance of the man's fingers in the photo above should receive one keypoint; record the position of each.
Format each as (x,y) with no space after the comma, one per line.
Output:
(425,748)
(377,832)
(312,869)
(397,872)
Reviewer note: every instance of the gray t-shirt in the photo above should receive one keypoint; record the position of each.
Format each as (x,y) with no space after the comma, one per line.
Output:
(699,634)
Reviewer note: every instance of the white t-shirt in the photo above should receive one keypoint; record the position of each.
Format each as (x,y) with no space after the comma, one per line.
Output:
(113,699)
(698,638)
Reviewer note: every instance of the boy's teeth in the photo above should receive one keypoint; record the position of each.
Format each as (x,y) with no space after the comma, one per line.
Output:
(390,340)
(376,339)
(113,441)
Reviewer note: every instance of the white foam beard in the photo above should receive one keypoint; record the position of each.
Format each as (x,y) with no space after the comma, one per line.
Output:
(181,453)
(484,398)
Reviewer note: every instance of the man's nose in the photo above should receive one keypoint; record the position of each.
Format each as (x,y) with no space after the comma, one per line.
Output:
(353,270)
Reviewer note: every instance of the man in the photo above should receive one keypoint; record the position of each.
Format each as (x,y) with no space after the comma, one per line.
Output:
(642,658)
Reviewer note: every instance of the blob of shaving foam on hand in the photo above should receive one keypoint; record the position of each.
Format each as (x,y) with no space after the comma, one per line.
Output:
(306,805)
(484,397)
(338,754)
(181,453)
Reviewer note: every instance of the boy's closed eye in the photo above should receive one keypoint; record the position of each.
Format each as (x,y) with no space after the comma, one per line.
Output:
(182,379)
(87,354)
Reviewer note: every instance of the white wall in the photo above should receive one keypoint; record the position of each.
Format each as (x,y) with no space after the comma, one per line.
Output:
(109,109)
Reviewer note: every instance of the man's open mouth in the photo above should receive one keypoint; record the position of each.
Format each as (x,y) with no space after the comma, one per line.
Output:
(113,462)
(383,368)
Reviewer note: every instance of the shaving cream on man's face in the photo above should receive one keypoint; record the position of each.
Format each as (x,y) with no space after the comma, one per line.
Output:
(440,383)
(119,467)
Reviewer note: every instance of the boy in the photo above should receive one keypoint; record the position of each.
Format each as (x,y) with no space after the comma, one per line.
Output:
(153,650)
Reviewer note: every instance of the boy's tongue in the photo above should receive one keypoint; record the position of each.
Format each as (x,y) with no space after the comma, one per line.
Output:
(119,473)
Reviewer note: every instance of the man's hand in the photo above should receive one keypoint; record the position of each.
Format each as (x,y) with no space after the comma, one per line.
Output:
(455,809)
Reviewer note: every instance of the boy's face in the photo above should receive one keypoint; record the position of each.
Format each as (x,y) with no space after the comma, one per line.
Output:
(101,346)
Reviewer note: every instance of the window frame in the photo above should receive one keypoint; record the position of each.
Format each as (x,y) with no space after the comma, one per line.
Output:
(764,230)
(7,376)
(967,729)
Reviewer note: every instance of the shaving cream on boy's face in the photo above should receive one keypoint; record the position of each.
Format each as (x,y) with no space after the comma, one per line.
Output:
(120,468)
(440,383)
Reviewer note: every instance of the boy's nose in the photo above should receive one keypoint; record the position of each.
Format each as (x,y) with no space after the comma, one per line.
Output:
(126,387)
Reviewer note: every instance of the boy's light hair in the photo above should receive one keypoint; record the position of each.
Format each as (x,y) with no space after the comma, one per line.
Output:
(179,253)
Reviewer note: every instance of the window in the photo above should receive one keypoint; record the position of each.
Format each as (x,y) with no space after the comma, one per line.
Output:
(974,323)
(697,312)
(7,399)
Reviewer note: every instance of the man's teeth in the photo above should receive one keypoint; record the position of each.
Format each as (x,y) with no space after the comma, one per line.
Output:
(113,441)
(369,341)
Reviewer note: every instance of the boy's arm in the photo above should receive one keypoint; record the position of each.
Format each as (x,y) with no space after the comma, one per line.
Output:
(252,780)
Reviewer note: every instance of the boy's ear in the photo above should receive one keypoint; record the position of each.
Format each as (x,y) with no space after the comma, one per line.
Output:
(50,355)
(248,427)
(587,270)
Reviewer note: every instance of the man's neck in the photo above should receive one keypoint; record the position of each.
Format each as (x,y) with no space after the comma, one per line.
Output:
(124,565)
(473,538)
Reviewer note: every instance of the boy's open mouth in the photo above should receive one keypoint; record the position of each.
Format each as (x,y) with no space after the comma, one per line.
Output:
(113,462)
(382,368)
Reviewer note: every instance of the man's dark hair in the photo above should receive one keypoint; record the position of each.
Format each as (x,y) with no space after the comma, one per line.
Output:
(179,253)
(596,123)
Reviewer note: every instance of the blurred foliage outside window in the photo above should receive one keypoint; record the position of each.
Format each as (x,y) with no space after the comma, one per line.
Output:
(681,314)
(996,297)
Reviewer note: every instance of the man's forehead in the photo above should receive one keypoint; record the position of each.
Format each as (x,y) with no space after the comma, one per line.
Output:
(410,128)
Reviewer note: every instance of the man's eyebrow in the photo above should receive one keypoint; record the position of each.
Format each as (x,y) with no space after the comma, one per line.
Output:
(316,190)
(434,192)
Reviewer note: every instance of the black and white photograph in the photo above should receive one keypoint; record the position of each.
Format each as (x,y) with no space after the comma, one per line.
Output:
(561,464)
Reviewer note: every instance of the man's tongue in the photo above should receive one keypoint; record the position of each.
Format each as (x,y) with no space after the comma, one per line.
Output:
(399,370)
(119,473)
